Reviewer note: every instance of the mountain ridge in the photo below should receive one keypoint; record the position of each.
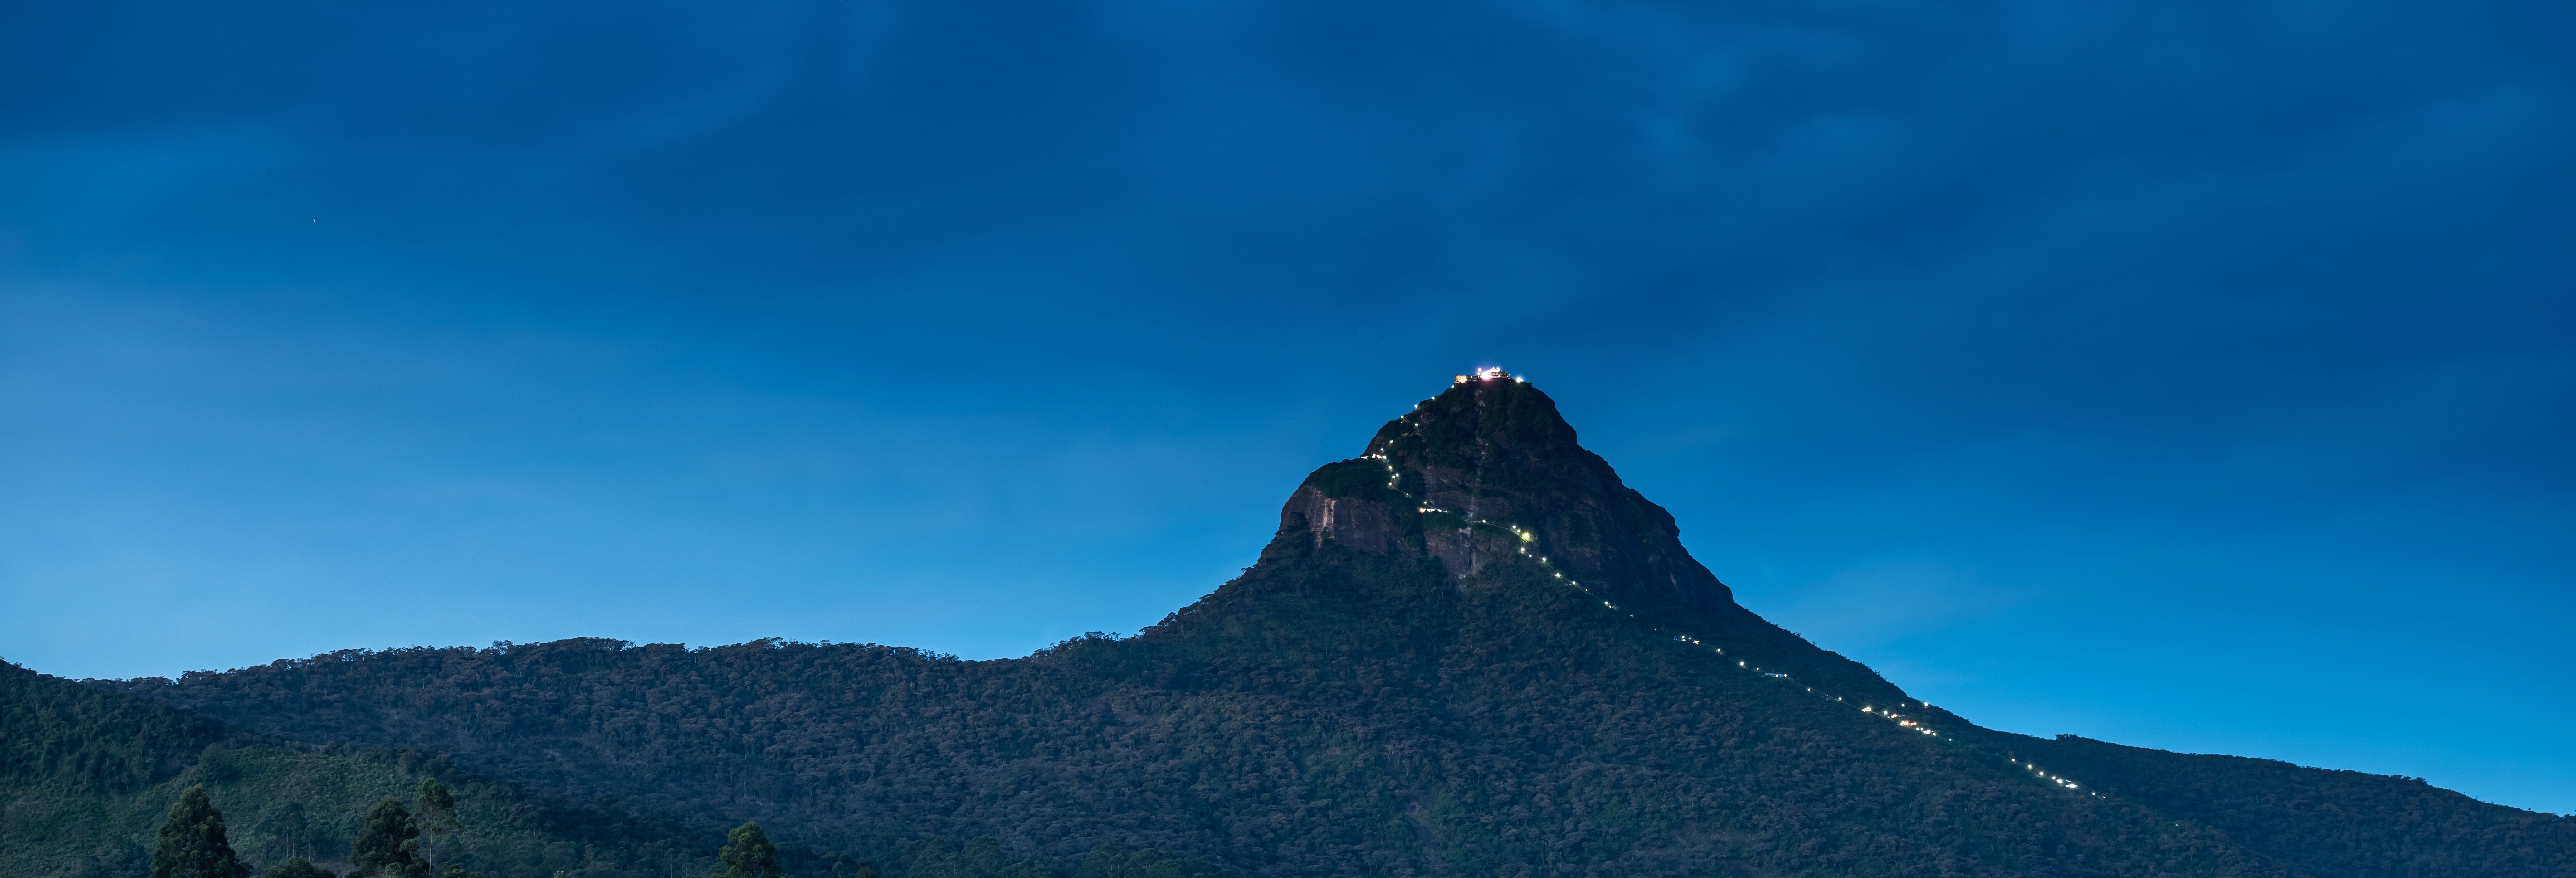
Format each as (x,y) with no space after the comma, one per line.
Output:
(1473,648)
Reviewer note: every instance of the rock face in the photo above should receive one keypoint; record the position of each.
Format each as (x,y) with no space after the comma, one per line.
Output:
(1367,525)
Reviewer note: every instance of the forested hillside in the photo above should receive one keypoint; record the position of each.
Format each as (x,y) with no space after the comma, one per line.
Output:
(1471,650)
(88,775)
(2332,822)
(1387,722)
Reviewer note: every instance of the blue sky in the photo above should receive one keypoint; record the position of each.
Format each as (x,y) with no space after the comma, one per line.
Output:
(2197,376)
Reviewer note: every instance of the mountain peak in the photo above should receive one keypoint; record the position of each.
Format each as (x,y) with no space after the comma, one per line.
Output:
(1487,482)
(1488,471)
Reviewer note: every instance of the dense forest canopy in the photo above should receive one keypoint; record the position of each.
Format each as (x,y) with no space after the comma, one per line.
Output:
(1471,650)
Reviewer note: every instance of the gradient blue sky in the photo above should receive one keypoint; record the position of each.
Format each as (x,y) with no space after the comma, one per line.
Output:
(2193,375)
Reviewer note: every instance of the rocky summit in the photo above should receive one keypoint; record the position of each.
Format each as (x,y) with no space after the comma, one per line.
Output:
(1488,472)
(1470,650)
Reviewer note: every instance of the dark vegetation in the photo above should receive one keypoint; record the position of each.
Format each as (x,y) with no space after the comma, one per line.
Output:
(2343,823)
(93,776)
(62,734)
(1440,704)
(747,854)
(193,841)
(94,779)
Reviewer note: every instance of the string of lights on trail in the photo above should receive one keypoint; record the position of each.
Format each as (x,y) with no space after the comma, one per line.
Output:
(1393,477)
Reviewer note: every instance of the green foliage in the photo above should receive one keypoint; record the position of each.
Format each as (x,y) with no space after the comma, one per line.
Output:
(436,810)
(747,854)
(388,844)
(284,801)
(981,857)
(436,805)
(2343,823)
(296,867)
(60,732)
(193,843)
(1114,860)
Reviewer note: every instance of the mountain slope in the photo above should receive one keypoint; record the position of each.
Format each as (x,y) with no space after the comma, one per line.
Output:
(2343,823)
(1473,649)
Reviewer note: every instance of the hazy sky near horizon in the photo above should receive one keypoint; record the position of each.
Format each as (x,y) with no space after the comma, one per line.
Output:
(2190,375)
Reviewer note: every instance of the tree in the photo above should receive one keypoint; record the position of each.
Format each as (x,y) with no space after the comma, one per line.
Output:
(388,846)
(287,824)
(747,854)
(296,867)
(437,818)
(193,843)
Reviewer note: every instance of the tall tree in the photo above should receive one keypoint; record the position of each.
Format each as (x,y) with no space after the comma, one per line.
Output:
(288,825)
(435,809)
(388,845)
(193,843)
(747,854)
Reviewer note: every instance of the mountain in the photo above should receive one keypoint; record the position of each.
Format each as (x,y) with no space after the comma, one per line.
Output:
(1472,649)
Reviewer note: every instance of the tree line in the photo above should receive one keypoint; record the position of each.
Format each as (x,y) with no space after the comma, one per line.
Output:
(396,841)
